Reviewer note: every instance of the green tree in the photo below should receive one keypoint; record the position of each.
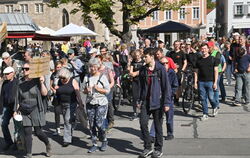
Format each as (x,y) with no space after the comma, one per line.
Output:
(133,11)
(210,4)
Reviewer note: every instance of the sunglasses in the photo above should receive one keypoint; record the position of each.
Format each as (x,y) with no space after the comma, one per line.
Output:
(7,73)
(25,68)
(62,78)
(70,53)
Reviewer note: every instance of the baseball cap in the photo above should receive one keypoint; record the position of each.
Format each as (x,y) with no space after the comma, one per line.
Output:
(5,55)
(70,51)
(8,70)
(210,44)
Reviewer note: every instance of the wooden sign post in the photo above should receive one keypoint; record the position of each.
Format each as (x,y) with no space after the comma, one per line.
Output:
(39,66)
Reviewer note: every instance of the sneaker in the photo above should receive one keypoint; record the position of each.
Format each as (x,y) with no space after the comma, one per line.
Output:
(146,153)
(204,117)
(48,150)
(215,111)
(57,132)
(93,149)
(111,125)
(65,144)
(157,154)
(134,117)
(104,146)
(236,103)
(28,156)
(169,137)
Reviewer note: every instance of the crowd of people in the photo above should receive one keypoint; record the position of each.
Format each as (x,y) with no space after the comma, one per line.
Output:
(155,75)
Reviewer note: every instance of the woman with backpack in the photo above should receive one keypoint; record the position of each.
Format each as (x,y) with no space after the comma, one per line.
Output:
(96,86)
(29,103)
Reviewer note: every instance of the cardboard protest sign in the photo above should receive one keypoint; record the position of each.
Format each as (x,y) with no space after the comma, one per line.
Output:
(39,66)
(3,32)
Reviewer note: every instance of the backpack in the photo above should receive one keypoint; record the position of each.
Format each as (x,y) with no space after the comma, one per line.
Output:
(98,81)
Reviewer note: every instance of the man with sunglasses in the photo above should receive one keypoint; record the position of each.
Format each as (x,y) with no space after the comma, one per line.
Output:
(8,93)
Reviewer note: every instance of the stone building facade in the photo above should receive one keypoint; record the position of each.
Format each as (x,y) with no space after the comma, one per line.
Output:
(56,18)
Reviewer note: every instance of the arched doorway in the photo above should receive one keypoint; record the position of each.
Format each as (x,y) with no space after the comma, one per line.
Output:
(65,18)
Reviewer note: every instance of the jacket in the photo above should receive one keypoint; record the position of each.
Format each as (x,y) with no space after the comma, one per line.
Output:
(160,92)
(173,81)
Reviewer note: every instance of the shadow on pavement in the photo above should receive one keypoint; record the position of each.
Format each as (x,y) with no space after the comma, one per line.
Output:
(130,130)
(124,146)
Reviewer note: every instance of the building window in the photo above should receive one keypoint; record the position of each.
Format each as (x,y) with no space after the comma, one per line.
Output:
(155,15)
(196,13)
(210,29)
(182,13)
(65,18)
(39,8)
(9,8)
(24,8)
(238,10)
(168,14)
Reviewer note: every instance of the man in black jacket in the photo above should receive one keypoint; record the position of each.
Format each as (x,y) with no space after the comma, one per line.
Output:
(155,97)
(8,94)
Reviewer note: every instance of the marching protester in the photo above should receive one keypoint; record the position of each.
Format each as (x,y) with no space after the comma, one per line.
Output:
(170,113)
(134,69)
(154,83)
(180,60)
(7,61)
(29,103)
(8,94)
(96,86)
(242,70)
(206,75)
(107,71)
(67,93)
(57,108)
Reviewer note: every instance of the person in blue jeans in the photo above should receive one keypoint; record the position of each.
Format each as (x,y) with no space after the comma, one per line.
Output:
(8,94)
(206,75)
(242,70)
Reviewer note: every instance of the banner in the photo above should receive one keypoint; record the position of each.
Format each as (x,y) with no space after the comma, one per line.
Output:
(39,66)
(3,32)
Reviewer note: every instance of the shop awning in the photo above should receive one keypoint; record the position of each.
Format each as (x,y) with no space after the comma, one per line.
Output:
(36,36)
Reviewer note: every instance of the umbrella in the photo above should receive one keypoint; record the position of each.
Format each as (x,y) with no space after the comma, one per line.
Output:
(45,31)
(169,26)
(74,30)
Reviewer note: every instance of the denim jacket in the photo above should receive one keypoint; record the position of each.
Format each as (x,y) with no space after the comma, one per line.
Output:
(160,92)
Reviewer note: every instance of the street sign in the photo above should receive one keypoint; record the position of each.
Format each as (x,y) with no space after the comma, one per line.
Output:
(39,66)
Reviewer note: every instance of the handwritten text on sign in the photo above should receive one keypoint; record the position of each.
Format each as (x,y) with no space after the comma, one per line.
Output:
(39,66)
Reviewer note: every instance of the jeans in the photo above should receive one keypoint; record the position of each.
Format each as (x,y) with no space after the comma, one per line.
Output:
(97,115)
(242,79)
(69,116)
(216,92)
(7,115)
(169,122)
(222,88)
(229,72)
(144,118)
(207,92)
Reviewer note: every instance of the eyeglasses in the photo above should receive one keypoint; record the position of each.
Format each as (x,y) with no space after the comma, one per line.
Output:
(62,78)
(25,68)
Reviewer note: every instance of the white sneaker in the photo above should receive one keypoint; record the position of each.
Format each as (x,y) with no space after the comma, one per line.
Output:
(204,117)
(215,111)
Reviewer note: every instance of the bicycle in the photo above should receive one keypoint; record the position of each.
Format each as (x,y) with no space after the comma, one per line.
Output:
(188,96)
(117,97)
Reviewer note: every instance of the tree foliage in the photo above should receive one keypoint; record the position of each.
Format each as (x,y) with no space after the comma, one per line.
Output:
(210,4)
(133,11)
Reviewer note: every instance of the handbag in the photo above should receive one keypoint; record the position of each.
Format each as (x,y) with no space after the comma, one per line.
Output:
(81,116)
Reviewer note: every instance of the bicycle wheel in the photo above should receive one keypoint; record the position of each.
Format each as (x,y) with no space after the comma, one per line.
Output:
(117,97)
(188,99)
